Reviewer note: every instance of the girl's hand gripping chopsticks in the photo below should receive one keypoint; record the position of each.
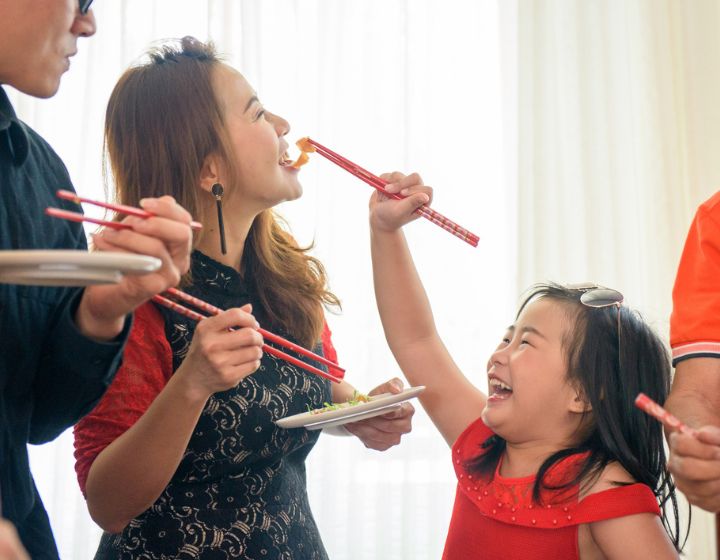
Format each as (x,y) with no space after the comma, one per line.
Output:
(390,214)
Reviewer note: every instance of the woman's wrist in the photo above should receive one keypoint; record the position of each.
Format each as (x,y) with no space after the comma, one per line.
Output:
(188,389)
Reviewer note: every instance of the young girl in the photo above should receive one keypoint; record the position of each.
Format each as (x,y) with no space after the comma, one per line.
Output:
(556,462)
(182,458)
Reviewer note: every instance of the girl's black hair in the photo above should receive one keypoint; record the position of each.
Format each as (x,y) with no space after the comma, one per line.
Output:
(609,368)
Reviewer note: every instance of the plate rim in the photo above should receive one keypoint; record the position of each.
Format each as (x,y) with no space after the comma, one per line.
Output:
(331,415)
(37,258)
(71,267)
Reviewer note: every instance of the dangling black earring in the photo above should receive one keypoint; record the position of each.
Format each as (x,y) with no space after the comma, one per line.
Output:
(217,190)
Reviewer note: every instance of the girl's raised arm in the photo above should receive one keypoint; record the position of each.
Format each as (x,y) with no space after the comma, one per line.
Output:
(450,399)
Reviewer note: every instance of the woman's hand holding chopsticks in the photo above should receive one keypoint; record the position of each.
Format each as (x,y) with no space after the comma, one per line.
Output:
(165,235)
(219,358)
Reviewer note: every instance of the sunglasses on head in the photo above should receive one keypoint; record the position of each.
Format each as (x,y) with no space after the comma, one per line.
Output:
(85,6)
(597,296)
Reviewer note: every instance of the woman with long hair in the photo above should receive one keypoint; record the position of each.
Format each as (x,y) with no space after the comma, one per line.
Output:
(182,458)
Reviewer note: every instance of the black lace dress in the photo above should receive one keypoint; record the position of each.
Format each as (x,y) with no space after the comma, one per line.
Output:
(240,490)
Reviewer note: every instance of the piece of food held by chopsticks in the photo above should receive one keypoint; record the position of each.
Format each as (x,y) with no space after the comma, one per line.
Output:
(305,148)
(308,145)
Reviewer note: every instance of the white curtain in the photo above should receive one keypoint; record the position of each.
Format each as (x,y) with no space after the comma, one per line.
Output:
(391,84)
(619,136)
(575,137)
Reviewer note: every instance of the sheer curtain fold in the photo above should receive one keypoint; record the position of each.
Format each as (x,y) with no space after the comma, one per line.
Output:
(391,84)
(603,116)
(619,133)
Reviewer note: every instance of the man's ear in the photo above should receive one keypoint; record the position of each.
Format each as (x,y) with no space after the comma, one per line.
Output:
(210,173)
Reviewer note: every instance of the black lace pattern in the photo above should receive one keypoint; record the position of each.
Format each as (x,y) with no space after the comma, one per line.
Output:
(240,489)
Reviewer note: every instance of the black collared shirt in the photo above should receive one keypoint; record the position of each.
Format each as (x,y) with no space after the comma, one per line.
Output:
(50,374)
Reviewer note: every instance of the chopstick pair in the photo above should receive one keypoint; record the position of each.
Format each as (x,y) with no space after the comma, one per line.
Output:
(376,182)
(120,208)
(212,310)
(646,404)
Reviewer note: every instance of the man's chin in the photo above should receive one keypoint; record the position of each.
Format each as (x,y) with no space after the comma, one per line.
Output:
(42,89)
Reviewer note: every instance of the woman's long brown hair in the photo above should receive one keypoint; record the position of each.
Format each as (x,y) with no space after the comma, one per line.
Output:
(162,121)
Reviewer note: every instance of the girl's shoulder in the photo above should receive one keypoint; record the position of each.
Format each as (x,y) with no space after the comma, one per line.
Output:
(614,493)
(612,476)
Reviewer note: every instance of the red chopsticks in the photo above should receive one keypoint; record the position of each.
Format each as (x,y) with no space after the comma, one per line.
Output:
(77,217)
(646,404)
(200,304)
(374,181)
(120,208)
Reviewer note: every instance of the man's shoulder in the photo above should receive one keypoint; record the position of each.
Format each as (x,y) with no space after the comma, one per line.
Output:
(711,208)
(27,150)
(37,141)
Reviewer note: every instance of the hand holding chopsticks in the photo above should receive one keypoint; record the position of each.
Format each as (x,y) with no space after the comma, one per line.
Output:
(694,459)
(224,351)
(308,145)
(646,404)
(212,310)
(103,309)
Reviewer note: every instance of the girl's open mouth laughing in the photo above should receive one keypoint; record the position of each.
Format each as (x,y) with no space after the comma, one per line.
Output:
(499,390)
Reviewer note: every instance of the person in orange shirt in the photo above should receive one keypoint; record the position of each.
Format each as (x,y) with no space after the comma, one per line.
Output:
(695,341)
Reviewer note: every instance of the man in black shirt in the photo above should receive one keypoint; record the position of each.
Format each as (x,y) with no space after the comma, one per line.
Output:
(59,347)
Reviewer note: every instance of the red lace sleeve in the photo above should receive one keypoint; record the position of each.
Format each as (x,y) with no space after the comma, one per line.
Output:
(327,345)
(146,368)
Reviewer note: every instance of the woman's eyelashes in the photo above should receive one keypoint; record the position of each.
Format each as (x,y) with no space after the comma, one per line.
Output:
(260,114)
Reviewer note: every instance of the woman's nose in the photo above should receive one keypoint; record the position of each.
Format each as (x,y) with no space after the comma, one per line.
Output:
(282,127)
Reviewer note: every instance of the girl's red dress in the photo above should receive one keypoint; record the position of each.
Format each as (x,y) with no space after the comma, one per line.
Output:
(495,518)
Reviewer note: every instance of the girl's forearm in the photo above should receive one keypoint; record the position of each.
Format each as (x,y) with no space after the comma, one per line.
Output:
(450,400)
(401,299)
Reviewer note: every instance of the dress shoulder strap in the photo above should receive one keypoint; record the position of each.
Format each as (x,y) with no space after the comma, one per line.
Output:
(624,500)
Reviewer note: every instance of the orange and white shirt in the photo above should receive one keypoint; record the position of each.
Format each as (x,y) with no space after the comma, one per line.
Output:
(695,319)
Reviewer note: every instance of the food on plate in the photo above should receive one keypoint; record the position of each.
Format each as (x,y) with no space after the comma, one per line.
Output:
(357,398)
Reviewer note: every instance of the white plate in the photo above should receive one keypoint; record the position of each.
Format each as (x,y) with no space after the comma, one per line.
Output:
(71,268)
(378,404)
